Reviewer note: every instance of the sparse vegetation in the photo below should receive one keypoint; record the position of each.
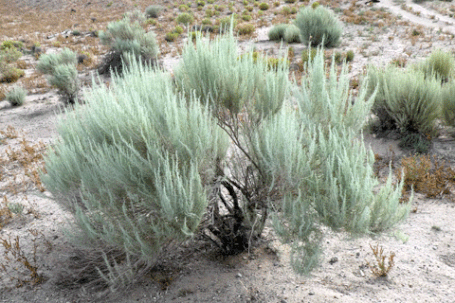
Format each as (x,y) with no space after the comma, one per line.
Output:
(153,11)
(440,64)
(276,33)
(185,18)
(383,264)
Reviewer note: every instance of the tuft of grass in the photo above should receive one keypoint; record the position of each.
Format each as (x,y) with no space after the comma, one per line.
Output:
(263,6)
(448,103)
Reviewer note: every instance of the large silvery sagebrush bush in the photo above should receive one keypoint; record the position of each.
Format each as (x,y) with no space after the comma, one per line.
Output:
(62,72)
(241,91)
(406,100)
(322,168)
(132,166)
(127,36)
(318,25)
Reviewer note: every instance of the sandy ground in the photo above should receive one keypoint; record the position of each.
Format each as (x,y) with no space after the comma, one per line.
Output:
(424,245)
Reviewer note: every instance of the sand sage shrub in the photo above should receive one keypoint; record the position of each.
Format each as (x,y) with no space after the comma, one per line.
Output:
(62,72)
(126,36)
(292,34)
(440,64)
(16,96)
(276,33)
(406,100)
(318,25)
(448,103)
(158,150)
(153,11)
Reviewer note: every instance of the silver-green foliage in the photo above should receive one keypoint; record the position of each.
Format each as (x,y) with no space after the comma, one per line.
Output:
(16,96)
(126,36)
(406,99)
(292,34)
(132,165)
(63,73)
(322,168)
(448,103)
(153,11)
(440,64)
(318,25)
(276,33)
(215,72)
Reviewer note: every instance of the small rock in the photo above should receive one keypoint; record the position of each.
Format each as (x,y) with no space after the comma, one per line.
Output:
(311,293)
(333,260)
(238,275)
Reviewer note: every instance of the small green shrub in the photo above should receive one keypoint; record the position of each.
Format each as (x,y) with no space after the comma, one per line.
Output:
(171,37)
(263,6)
(9,73)
(319,25)
(349,56)
(290,1)
(245,29)
(16,96)
(276,33)
(8,44)
(153,11)
(406,100)
(292,34)
(315,5)
(185,18)
(10,55)
(183,8)
(246,18)
(178,30)
(440,64)
(286,10)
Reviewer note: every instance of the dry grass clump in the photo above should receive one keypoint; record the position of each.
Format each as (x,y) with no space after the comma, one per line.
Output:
(427,175)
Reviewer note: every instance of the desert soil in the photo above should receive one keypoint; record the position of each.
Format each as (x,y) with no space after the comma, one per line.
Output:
(424,244)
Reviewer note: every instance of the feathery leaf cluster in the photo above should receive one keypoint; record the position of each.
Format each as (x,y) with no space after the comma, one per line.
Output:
(318,25)
(440,64)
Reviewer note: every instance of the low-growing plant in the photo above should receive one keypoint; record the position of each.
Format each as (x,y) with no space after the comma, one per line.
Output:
(9,44)
(153,11)
(381,267)
(9,73)
(276,33)
(16,96)
(171,37)
(318,25)
(62,70)
(426,174)
(10,55)
(245,29)
(263,6)
(185,18)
